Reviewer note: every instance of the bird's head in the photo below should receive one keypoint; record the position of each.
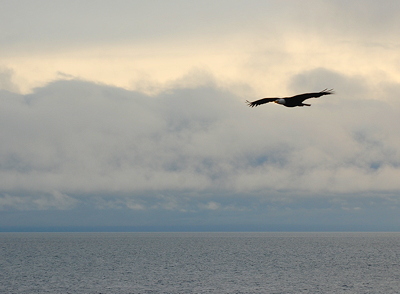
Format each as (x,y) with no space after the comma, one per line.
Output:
(280,101)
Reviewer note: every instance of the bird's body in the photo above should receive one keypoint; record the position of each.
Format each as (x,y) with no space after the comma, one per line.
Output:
(291,101)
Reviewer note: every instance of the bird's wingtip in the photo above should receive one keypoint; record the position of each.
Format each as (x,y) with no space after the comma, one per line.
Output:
(249,103)
(328,91)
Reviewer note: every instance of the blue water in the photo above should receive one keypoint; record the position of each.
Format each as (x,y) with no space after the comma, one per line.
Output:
(200,263)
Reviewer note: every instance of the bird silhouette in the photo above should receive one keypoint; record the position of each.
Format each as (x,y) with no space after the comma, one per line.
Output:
(293,101)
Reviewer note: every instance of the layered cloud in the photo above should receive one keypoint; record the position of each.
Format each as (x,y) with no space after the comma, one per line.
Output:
(138,108)
(82,138)
(144,46)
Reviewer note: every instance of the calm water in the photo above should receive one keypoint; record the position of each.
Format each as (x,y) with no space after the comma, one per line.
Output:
(200,263)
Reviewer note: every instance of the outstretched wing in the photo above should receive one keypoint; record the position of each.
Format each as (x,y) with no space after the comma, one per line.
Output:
(260,101)
(300,98)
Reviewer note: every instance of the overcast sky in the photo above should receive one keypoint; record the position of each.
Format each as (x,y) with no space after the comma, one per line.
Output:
(132,114)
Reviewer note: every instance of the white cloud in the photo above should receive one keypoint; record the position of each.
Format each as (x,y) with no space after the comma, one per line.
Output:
(81,137)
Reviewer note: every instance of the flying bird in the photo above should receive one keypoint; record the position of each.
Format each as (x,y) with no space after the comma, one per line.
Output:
(291,101)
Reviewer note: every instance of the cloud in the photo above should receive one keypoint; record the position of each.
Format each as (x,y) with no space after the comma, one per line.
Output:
(83,138)
(353,86)
(6,80)
(212,205)
(261,44)
(136,111)
(54,200)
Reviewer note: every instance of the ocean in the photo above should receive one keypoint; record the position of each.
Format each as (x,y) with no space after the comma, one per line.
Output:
(199,263)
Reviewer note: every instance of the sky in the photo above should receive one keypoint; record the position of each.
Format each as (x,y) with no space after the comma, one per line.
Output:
(131,115)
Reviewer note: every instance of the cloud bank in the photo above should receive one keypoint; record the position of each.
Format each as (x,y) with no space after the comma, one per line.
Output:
(134,113)
(73,138)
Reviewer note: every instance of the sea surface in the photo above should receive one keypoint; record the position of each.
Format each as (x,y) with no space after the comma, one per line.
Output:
(199,263)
